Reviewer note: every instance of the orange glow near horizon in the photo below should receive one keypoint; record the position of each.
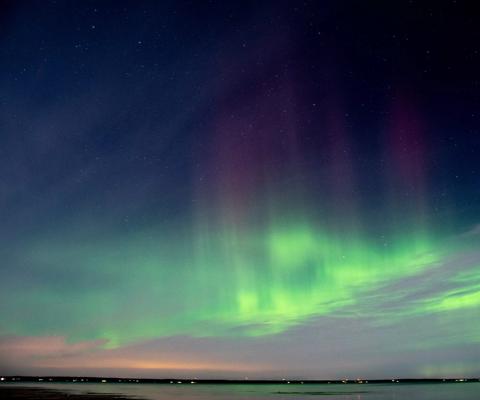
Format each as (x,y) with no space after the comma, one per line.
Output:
(54,352)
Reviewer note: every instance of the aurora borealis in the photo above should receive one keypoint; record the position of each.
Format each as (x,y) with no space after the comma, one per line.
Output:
(228,190)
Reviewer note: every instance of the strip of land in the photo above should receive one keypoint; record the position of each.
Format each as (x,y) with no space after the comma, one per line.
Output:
(26,393)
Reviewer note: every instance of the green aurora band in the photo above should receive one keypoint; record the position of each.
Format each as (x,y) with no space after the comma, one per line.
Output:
(257,283)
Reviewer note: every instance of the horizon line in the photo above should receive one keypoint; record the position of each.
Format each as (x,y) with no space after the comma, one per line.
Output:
(246,380)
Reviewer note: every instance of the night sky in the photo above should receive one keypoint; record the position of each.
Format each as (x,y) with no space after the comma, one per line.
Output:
(262,189)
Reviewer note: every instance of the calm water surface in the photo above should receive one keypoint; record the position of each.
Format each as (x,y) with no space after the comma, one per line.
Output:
(445,391)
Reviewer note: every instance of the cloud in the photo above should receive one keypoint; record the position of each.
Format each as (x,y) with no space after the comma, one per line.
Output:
(21,348)
(474,231)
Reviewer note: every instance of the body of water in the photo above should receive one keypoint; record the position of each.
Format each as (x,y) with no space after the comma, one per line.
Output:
(186,391)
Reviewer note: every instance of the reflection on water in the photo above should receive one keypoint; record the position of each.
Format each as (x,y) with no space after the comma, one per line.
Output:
(442,391)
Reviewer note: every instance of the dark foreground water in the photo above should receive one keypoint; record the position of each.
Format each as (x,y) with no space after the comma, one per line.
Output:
(399,391)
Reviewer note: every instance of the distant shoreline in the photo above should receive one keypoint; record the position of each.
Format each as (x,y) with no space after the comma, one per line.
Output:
(87,379)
